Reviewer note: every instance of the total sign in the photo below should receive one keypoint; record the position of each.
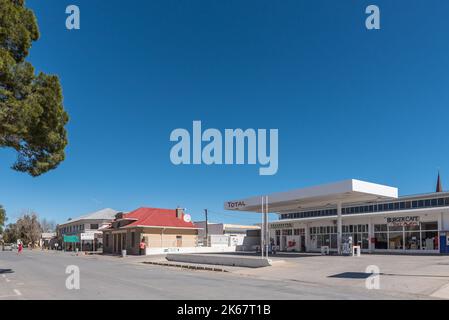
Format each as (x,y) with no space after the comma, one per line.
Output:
(235,205)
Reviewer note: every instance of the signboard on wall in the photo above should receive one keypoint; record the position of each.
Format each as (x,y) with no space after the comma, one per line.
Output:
(87,236)
(281,226)
(71,239)
(293,243)
(402,221)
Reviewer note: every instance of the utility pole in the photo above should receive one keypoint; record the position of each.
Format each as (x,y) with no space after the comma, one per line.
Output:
(207,230)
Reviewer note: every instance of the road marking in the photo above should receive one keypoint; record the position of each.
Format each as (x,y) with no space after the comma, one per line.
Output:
(17,292)
(7,280)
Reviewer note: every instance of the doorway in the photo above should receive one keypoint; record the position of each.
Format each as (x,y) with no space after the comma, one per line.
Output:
(119,240)
(283,243)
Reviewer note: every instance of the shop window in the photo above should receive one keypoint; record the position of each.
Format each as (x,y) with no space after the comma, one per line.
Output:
(380,227)
(429,240)
(319,241)
(411,228)
(412,240)
(365,241)
(396,241)
(326,240)
(433,225)
(133,239)
(333,241)
(395,228)
(380,241)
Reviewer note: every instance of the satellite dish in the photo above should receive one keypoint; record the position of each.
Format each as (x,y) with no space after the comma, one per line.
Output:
(187,218)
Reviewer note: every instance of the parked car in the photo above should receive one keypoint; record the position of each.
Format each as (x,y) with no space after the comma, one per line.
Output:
(7,247)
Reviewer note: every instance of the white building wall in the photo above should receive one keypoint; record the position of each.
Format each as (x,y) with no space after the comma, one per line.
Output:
(445,221)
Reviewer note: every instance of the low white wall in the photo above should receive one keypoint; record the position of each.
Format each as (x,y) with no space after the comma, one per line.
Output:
(154,251)
(223,260)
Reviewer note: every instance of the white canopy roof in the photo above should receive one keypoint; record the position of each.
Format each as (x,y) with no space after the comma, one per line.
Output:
(344,192)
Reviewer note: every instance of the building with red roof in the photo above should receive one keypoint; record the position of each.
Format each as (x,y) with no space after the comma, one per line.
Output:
(140,230)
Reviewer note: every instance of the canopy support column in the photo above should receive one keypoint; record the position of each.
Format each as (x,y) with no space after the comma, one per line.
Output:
(262,233)
(339,228)
(267,234)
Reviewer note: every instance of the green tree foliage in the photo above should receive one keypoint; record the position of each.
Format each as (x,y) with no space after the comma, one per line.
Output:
(2,218)
(11,233)
(32,116)
(29,228)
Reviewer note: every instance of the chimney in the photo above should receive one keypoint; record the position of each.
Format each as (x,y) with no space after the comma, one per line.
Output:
(179,213)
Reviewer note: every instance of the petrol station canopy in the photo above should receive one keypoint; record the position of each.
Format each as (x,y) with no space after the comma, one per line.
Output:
(343,192)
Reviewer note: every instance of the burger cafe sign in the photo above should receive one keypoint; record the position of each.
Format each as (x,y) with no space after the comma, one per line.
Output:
(402,221)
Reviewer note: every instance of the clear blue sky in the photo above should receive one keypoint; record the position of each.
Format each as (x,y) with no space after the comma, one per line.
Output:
(348,103)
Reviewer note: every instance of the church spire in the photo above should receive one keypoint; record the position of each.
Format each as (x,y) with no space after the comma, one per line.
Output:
(439,186)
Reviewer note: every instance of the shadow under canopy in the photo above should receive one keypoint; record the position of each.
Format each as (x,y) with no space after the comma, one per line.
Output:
(6,271)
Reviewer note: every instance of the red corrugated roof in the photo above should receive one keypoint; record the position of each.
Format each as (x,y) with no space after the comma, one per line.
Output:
(157,217)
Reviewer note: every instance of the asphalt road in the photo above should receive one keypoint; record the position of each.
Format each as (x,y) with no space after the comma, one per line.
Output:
(42,275)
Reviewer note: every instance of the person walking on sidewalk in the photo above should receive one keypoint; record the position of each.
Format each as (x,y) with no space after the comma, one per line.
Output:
(19,248)
(142,247)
